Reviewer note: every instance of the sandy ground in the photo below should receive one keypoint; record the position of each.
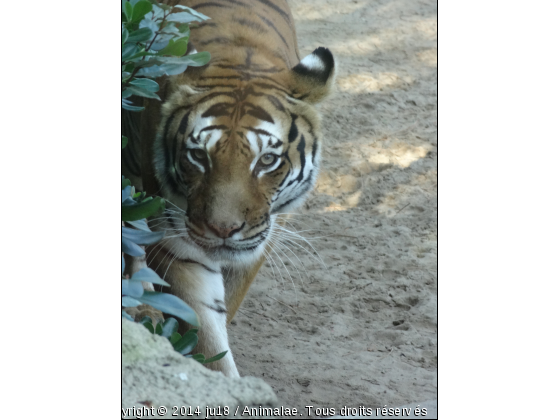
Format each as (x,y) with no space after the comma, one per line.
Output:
(360,330)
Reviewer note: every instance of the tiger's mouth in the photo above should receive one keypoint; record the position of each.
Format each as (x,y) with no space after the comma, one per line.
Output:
(228,248)
(219,249)
(225,245)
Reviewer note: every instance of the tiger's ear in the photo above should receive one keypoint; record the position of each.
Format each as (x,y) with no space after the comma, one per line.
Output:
(312,79)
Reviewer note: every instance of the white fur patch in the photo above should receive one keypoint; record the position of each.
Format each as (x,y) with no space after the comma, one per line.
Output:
(212,138)
(201,123)
(313,62)
(207,288)
(253,139)
(273,129)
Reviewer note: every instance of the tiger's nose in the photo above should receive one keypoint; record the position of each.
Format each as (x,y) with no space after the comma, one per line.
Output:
(224,231)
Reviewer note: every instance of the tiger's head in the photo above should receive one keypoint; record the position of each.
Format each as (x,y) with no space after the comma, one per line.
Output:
(234,155)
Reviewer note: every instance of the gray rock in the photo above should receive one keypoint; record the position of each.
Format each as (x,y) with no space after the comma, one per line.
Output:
(155,375)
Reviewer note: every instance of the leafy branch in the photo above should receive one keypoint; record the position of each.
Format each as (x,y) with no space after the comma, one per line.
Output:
(154,43)
(182,344)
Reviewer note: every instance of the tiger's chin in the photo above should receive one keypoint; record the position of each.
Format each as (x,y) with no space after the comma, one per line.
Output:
(230,254)
(236,257)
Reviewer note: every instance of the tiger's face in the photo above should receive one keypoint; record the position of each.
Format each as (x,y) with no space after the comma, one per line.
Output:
(232,161)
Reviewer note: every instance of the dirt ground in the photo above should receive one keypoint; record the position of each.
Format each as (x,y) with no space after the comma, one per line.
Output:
(360,329)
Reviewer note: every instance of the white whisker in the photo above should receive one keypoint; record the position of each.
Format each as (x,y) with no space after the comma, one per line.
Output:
(290,260)
(280,243)
(287,271)
(303,239)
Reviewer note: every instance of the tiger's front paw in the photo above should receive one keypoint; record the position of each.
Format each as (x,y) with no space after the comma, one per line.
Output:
(141,311)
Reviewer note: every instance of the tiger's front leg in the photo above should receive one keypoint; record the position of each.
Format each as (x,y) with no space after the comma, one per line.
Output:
(201,286)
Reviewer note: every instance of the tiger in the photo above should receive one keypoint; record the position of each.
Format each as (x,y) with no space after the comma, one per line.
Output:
(231,146)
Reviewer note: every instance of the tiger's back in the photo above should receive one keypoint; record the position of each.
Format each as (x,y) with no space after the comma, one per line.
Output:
(231,146)
(263,27)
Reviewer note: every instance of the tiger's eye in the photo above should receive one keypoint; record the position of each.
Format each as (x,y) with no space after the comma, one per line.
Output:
(199,154)
(268,159)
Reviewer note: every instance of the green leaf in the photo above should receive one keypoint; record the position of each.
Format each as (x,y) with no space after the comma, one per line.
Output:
(186,344)
(133,289)
(141,35)
(192,11)
(148,62)
(125,193)
(183,17)
(158,13)
(184,29)
(177,49)
(149,326)
(199,357)
(159,329)
(141,92)
(174,337)
(162,41)
(141,237)
(139,54)
(153,71)
(140,224)
(171,305)
(174,65)
(184,38)
(128,67)
(173,69)
(140,9)
(129,302)
(147,22)
(126,105)
(128,202)
(127,10)
(216,357)
(147,84)
(128,51)
(130,248)
(148,275)
(170,326)
(124,35)
(140,196)
(142,210)
(125,182)
(124,141)
(197,59)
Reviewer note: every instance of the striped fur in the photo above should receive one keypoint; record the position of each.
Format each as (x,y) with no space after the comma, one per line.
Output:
(231,145)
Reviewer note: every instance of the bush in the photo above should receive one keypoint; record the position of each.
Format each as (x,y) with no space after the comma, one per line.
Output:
(154,43)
